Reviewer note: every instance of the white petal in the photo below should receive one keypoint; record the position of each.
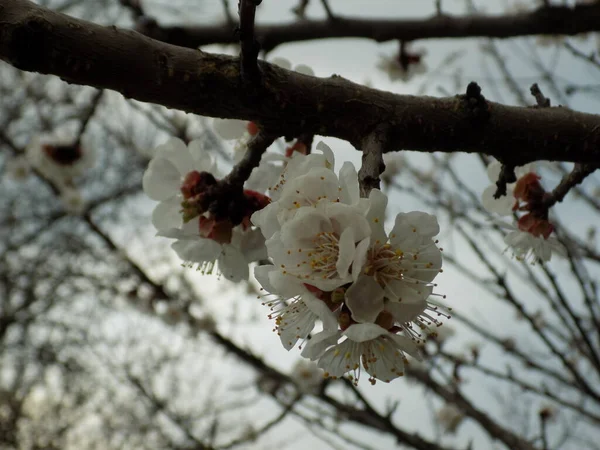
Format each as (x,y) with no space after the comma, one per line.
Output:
(295,323)
(362,332)
(251,243)
(177,153)
(304,69)
(360,257)
(197,251)
(493,170)
(346,252)
(328,153)
(349,183)
(406,345)
(167,214)
(230,129)
(376,216)
(406,310)
(266,220)
(319,343)
(261,273)
(305,226)
(161,180)
(232,264)
(321,310)
(365,299)
(340,359)
(502,206)
(203,160)
(282,62)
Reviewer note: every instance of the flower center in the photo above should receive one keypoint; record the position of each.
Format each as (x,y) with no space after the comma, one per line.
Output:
(65,155)
(324,255)
(384,264)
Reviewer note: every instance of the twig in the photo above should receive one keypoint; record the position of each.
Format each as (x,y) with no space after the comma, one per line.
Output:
(542,101)
(577,175)
(256,147)
(250,46)
(228,16)
(507,175)
(88,115)
(374,145)
(328,11)
(135,6)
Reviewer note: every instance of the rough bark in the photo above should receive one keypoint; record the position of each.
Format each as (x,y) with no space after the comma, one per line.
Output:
(286,103)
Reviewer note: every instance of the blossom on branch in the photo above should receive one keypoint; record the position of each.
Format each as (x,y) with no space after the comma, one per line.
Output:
(531,238)
(333,263)
(209,219)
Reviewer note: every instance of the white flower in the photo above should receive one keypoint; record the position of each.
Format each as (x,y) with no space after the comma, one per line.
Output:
(18,168)
(321,244)
(308,376)
(381,352)
(232,258)
(450,417)
(306,181)
(72,201)
(231,129)
(293,307)
(525,246)
(166,172)
(57,157)
(398,270)
(396,71)
(503,205)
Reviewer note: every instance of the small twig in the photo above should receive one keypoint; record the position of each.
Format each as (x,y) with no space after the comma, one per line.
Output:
(544,430)
(300,9)
(85,120)
(438,7)
(372,160)
(576,176)
(228,15)
(256,147)
(542,101)
(135,6)
(249,44)
(328,11)
(507,175)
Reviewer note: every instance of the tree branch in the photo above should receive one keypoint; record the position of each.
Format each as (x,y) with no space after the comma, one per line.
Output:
(35,39)
(545,20)
(249,45)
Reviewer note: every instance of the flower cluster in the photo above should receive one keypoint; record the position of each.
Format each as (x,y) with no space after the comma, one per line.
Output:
(531,238)
(209,221)
(59,158)
(334,263)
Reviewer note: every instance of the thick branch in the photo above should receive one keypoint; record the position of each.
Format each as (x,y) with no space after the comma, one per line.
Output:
(35,39)
(545,20)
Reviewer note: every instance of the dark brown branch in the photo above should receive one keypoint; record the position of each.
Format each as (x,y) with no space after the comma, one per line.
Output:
(35,39)
(576,176)
(545,20)
(249,44)
(372,161)
(256,147)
